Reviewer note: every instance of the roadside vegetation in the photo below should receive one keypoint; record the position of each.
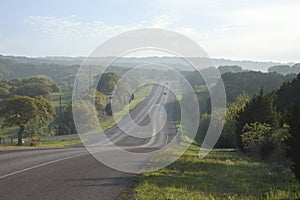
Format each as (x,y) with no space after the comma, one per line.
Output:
(49,143)
(107,122)
(223,174)
(256,156)
(35,107)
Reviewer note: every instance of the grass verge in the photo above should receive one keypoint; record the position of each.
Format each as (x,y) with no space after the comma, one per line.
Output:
(58,142)
(140,95)
(53,143)
(220,175)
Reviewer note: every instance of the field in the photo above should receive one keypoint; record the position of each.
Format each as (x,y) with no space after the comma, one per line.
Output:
(223,174)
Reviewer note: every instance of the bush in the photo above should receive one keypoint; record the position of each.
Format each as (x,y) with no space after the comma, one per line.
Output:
(254,135)
(260,139)
(63,129)
(259,109)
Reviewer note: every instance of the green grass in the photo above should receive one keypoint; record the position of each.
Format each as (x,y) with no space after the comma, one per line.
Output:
(58,142)
(52,143)
(107,122)
(220,175)
(140,95)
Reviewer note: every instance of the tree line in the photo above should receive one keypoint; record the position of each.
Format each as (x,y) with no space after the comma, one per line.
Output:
(25,102)
(264,124)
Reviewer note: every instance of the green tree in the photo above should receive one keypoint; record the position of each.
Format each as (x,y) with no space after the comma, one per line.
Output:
(256,137)
(33,90)
(288,94)
(22,110)
(259,109)
(227,138)
(88,119)
(4,88)
(100,101)
(107,83)
(293,120)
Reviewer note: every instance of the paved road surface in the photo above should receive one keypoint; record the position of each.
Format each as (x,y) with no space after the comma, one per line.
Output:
(72,173)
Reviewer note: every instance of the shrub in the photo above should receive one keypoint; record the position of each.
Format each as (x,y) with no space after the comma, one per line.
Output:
(254,135)
(262,140)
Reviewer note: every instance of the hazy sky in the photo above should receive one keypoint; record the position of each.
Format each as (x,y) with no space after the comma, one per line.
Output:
(233,29)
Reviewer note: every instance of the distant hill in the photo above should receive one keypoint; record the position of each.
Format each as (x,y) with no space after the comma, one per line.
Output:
(133,61)
(63,69)
(173,61)
(285,69)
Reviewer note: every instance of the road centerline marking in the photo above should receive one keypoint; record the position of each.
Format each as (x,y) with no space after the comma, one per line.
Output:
(41,165)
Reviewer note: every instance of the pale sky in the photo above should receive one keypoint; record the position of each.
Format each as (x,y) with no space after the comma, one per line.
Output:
(232,29)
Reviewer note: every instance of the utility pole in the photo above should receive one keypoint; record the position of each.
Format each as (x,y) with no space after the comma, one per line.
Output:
(90,76)
(60,108)
(60,114)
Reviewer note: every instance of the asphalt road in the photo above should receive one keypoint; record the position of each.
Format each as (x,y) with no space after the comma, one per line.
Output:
(73,173)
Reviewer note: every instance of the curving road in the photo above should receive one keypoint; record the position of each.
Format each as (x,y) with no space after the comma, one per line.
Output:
(73,173)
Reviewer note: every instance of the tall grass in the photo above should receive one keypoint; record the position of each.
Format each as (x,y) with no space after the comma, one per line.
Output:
(223,174)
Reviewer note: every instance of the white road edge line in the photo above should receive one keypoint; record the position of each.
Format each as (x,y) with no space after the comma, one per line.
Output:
(41,165)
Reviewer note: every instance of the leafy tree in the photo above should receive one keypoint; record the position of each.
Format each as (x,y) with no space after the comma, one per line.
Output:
(227,138)
(265,141)
(87,120)
(33,90)
(4,88)
(100,101)
(121,95)
(293,119)
(254,134)
(259,109)
(22,110)
(107,83)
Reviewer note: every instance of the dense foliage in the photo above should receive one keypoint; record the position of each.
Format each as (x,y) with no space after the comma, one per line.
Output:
(230,69)
(22,110)
(251,83)
(293,120)
(32,87)
(228,136)
(259,109)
